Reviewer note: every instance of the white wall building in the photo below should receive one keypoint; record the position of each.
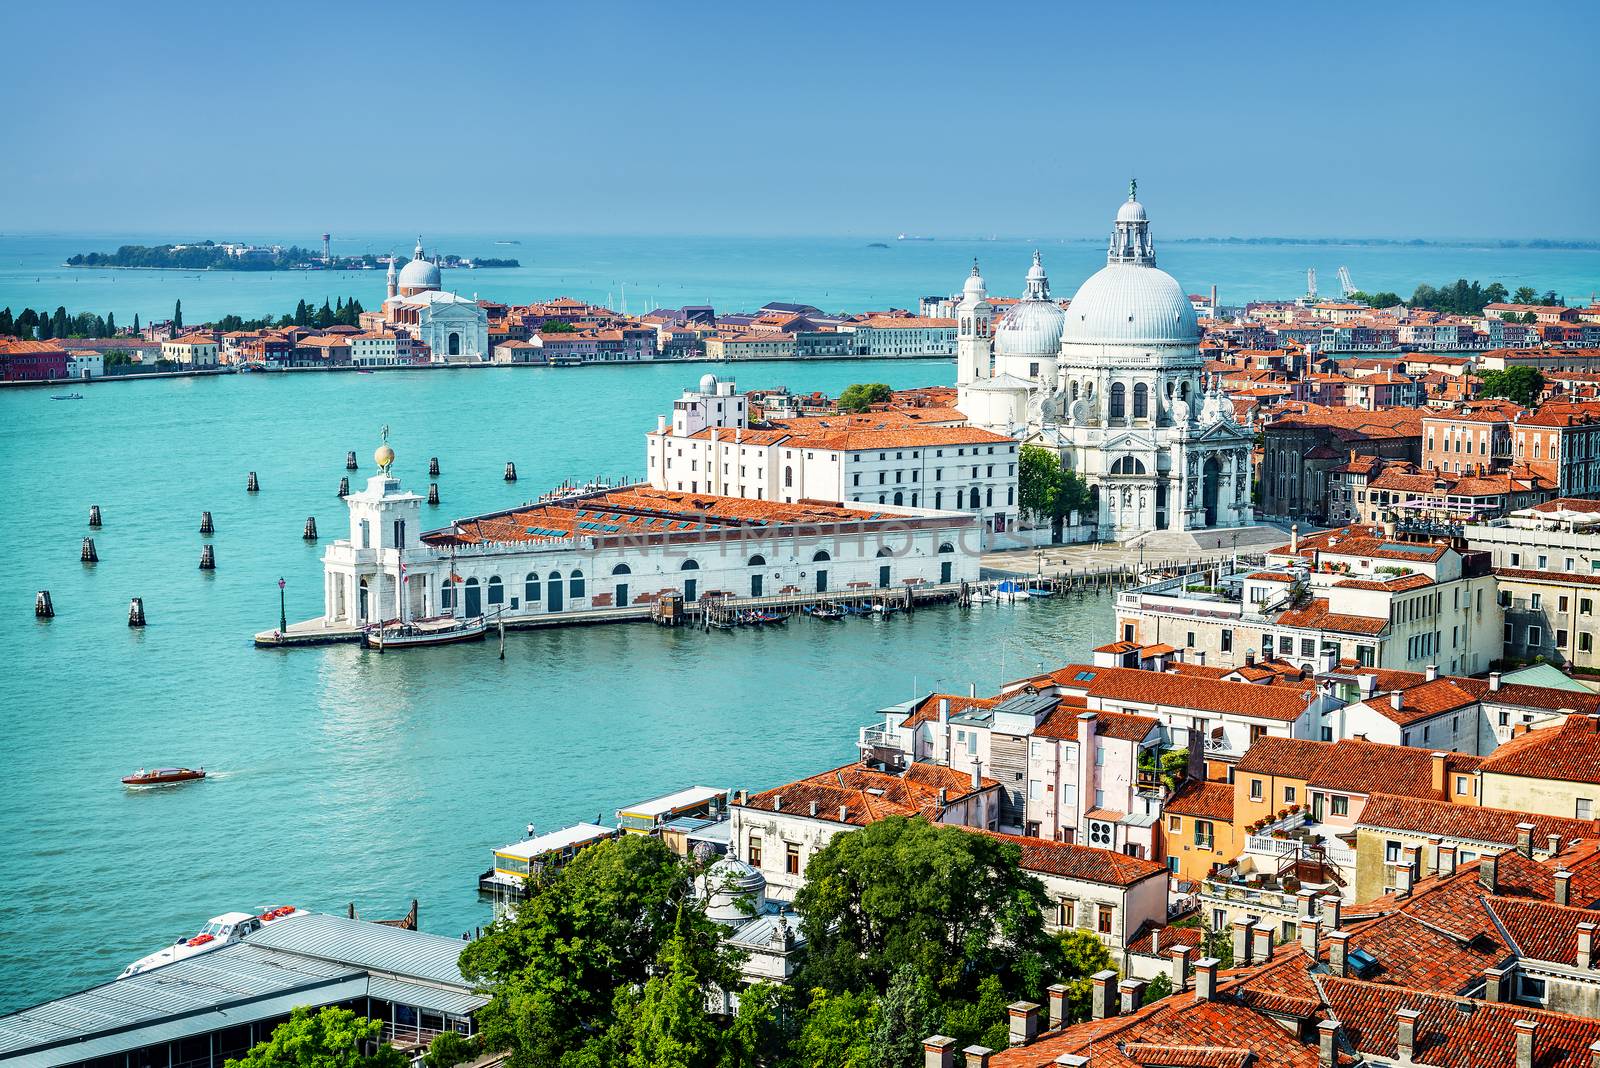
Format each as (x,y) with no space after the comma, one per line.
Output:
(455,329)
(625,549)
(875,458)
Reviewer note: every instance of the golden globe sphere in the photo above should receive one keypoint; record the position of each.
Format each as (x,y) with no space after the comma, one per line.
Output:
(384,456)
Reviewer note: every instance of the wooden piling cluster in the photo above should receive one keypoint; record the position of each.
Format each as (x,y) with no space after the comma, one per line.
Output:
(350,460)
(252,484)
(94,516)
(311,528)
(511,471)
(206,526)
(87,554)
(344,487)
(136,612)
(208,557)
(42,606)
(433,467)
(433,493)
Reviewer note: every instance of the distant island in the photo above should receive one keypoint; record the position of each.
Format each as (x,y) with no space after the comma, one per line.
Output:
(231,256)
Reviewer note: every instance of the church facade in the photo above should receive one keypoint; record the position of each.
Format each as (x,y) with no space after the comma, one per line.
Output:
(455,328)
(1113,385)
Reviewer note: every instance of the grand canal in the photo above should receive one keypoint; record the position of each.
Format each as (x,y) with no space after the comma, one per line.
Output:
(340,776)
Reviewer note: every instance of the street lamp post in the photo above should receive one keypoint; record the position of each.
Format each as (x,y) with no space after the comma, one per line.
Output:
(283,617)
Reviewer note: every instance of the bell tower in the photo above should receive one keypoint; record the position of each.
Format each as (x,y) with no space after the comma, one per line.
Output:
(974,330)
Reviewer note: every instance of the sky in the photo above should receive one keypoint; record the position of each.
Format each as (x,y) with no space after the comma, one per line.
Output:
(1416,119)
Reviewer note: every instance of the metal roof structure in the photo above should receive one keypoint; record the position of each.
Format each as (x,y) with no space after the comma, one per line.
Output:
(308,959)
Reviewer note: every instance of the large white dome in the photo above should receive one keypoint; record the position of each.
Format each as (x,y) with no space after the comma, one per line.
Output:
(1029,328)
(420,274)
(1130,304)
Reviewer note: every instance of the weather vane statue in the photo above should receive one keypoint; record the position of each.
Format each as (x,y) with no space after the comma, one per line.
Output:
(384,455)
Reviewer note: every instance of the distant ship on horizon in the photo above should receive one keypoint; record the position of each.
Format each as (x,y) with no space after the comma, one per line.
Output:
(912,237)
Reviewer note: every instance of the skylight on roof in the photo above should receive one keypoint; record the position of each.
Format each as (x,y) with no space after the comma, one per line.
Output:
(1415,550)
(1084,676)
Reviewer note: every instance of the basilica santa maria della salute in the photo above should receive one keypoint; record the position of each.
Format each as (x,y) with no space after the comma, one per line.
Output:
(1112,384)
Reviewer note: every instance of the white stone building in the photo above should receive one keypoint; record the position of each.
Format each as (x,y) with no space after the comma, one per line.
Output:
(455,328)
(621,550)
(876,458)
(1114,386)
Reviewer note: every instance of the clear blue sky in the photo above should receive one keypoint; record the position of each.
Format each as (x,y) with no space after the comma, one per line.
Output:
(1430,120)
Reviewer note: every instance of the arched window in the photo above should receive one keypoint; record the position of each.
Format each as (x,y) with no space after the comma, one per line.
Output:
(622,569)
(1183,389)
(689,565)
(471,583)
(946,547)
(972,499)
(1127,465)
(938,498)
(447,594)
(757,561)
(1074,389)
(1141,401)
(899,498)
(575,584)
(530,588)
(497,590)
(1119,400)
(885,551)
(820,555)
(788,477)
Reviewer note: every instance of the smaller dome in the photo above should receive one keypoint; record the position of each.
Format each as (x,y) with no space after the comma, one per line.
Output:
(383,456)
(975,285)
(1030,328)
(732,890)
(708,383)
(1131,211)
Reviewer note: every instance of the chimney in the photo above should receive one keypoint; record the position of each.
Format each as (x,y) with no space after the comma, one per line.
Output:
(1445,860)
(1024,1022)
(1527,1042)
(1563,887)
(844,813)
(944,709)
(1056,1002)
(1131,992)
(1155,941)
(978,1056)
(1311,937)
(1489,873)
(1402,880)
(1494,984)
(1396,700)
(1102,1000)
(944,798)
(1525,839)
(1585,954)
(1180,967)
(1338,951)
(938,1052)
(1294,538)
(1198,657)
(1439,760)
(1241,941)
(814,805)
(1306,903)
(1331,906)
(1494,680)
(777,802)
(977,774)
(1327,1043)
(1431,673)
(1262,934)
(1553,843)
(1405,1031)
(1205,978)
(1249,658)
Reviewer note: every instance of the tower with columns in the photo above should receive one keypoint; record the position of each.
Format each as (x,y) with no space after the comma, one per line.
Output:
(974,330)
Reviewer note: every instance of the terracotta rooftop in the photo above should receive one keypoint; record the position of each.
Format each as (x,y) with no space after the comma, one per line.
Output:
(1569,752)
(1132,685)
(1203,798)
(863,795)
(1081,862)
(1472,822)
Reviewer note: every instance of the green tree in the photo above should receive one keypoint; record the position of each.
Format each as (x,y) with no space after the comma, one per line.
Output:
(1521,385)
(556,326)
(953,903)
(329,1038)
(1381,299)
(763,1030)
(1525,295)
(1159,987)
(863,395)
(1494,293)
(135,324)
(8,323)
(1083,954)
(111,324)
(669,1025)
(552,969)
(837,1030)
(449,1049)
(177,316)
(908,1012)
(1046,490)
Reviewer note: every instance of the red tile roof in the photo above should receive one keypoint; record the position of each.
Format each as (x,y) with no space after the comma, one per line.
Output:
(1281,701)
(1493,826)
(1085,863)
(1569,752)
(1202,798)
(1294,758)
(868,794)
(1358,767)
(1315,616)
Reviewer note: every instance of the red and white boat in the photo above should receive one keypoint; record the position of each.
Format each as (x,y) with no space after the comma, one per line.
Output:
(219,931)
(163,776)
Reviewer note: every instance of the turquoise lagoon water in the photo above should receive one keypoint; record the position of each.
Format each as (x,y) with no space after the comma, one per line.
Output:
(834,273)
(339,775)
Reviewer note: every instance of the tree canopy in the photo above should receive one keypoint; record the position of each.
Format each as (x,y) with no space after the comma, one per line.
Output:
(1521,385)
(329,1038)
(1046,489)
(863,395)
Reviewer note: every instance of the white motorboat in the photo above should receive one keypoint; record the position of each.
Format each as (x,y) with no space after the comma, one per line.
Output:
(1010,591)
(219,931)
